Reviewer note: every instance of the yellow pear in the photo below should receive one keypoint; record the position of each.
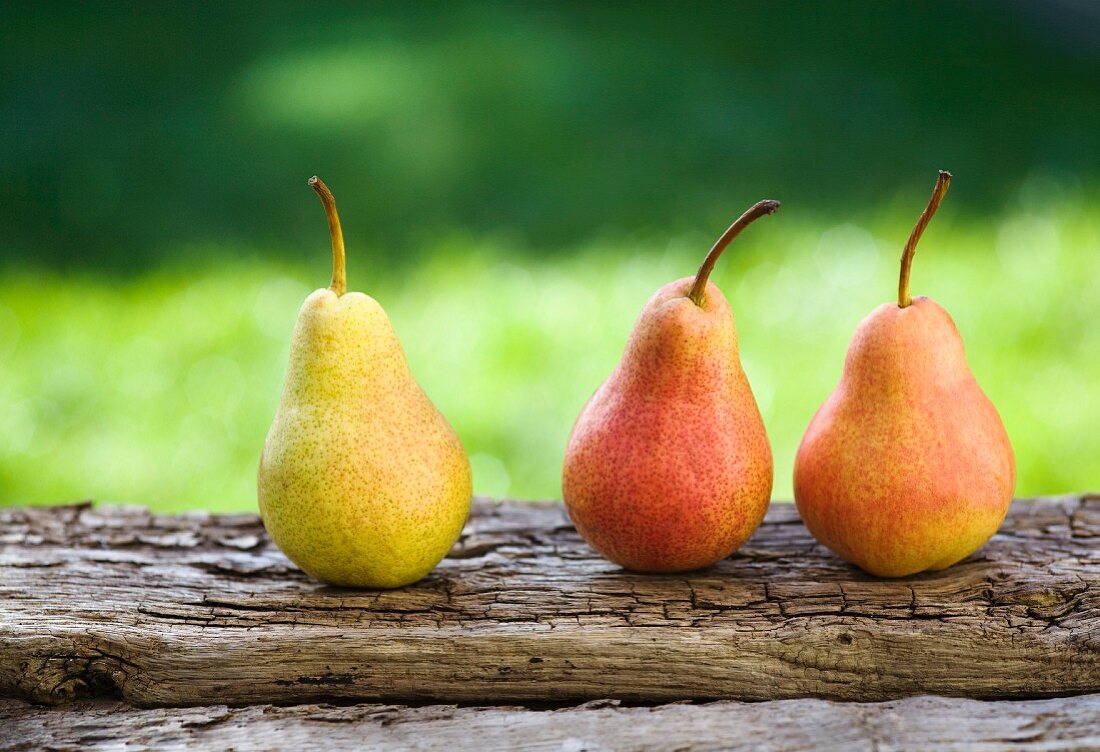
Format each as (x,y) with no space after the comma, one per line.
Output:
(362,482)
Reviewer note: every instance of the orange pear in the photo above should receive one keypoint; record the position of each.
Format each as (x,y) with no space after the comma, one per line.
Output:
(668,467)
(907,466)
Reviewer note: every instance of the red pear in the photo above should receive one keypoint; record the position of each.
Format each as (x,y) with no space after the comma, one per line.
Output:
(668,467)
(907,466)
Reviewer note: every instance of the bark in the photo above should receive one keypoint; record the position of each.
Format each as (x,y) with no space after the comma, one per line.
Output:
(917,723)
(199,609)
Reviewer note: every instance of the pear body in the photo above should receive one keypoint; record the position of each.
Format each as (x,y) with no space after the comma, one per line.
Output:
(362,482)
(668,467)
(907,466)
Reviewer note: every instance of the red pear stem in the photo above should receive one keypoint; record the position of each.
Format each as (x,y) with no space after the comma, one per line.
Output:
(339,283)
(942,183)
(754,212)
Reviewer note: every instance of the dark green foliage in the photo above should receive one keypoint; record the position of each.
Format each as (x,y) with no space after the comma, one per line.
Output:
(128,130)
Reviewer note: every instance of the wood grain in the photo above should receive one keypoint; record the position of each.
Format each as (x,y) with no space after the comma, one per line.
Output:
(918,723)
(199,609)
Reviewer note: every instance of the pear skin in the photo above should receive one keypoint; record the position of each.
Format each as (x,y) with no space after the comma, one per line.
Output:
(668,467)
(362,482)
(907,466)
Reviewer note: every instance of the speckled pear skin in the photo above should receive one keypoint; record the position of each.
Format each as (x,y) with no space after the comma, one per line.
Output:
(362,482)
(907,466)
(668,467)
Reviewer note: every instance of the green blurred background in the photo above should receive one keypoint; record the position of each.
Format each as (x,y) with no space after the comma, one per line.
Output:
(515,180)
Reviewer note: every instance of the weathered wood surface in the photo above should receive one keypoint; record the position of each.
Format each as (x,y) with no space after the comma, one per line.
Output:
(198,609)
(918,723)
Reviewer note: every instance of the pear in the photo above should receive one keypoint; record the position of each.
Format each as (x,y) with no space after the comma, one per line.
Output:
(668,467)
(362,482)
(907,466)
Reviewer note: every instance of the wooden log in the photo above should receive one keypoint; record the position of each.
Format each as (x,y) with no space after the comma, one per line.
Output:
(199,609)
(917,723)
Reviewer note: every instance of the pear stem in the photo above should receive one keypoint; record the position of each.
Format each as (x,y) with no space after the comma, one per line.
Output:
(339,283)
(942,183)
(753,213)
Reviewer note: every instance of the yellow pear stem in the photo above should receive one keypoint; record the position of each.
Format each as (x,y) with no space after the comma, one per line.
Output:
(753,213)
(942,183)
(339,283)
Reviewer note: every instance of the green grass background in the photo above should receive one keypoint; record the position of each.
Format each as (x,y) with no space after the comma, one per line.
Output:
(515,180)
(158,388)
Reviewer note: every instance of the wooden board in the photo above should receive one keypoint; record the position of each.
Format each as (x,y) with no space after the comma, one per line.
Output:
(919,723)
(199,609)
